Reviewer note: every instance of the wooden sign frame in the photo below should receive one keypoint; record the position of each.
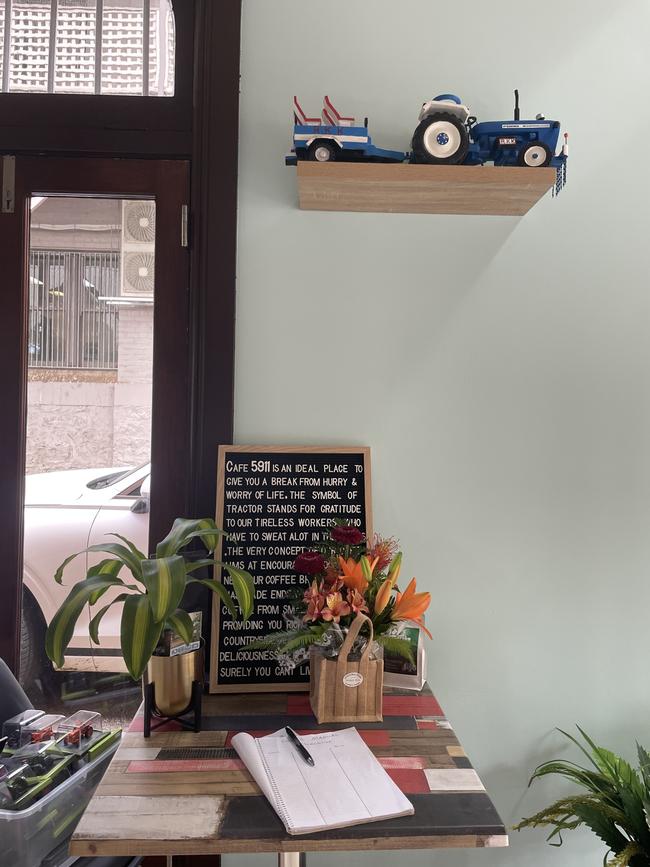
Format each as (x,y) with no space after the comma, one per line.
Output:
(363,451)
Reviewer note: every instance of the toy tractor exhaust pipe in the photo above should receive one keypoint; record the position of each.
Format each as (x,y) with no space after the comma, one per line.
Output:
(516,105)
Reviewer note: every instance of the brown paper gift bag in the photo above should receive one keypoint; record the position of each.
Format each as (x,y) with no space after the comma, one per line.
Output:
(341,690)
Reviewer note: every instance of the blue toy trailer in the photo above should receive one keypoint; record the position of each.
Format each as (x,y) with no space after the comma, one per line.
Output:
(334,137)
(326,143)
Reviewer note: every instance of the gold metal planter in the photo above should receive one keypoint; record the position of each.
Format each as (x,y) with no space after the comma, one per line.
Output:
(172,677)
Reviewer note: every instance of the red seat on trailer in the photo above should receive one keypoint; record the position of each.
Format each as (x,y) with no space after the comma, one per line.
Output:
(300,116)
(334,117)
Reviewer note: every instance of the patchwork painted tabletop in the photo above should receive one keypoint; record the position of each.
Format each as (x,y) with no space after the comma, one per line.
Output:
(181,793)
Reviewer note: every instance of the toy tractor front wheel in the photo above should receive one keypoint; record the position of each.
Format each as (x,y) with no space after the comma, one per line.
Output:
(440,138)
(322,151)
(534,154)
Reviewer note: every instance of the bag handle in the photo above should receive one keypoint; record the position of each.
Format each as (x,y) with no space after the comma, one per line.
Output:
(353,631)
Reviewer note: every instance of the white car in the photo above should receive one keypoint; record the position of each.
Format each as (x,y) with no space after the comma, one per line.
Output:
(66,512)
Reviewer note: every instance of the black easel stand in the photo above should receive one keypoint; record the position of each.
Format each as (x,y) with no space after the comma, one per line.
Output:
(194,707)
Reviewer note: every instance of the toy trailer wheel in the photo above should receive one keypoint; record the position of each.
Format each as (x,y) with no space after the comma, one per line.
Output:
(534,154)
(322,151)
(440,138)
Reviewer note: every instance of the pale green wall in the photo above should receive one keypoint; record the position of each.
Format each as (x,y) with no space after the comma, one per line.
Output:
(498,367)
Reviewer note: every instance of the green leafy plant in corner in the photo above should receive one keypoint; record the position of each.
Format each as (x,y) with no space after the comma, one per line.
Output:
(614,803)
(151,596)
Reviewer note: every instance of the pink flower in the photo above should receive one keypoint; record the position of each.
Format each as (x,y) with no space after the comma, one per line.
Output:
(357,602)
(335,607)
(315,601)
(347,535)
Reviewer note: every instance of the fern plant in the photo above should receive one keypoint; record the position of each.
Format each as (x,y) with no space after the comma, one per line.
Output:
(614,803)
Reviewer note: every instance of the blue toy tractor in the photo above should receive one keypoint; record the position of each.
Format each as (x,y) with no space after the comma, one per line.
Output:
(449,134)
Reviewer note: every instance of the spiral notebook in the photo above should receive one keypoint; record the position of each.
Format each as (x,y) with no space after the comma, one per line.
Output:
(346,786)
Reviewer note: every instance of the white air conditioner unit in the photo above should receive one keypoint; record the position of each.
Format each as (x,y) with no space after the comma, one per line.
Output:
(138,237)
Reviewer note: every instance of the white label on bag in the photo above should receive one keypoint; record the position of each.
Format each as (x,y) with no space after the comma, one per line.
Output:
(353,678)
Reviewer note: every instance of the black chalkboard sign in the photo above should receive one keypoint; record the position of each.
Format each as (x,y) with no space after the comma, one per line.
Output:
(274,502)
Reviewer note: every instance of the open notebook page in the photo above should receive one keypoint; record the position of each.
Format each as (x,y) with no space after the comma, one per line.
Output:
(346,785)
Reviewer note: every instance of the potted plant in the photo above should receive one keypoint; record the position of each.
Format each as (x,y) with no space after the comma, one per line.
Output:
(150,598)
(352,611)
(614,803)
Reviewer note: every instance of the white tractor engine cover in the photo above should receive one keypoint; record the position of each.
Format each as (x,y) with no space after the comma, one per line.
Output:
(447,104)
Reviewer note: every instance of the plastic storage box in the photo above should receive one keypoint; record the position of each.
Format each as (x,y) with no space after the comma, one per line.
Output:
(28,836)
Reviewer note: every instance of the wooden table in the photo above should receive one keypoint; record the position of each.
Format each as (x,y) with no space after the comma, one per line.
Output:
(180,793)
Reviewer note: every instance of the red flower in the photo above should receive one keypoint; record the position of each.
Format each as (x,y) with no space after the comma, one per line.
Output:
(309,563)
(384,549)
(347,535)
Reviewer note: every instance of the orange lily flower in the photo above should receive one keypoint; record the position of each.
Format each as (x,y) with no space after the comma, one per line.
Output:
(353,576)
(410,605)
(383,595)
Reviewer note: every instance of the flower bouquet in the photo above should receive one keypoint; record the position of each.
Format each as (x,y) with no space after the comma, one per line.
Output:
(351,612)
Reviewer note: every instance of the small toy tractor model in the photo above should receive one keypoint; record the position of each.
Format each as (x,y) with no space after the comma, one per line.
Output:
(448,134)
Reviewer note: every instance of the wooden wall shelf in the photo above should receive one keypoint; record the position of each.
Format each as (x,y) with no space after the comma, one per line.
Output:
(416,189)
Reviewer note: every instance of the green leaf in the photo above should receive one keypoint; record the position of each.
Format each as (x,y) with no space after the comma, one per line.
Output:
(644,764)
(132,548)
(218,588)
(121,552)
(195,565)
(181,622)
(396,646)
(184,530)
(139,634)
(164,579)
(93,626)
(244,586)
(61,628)
(105,567)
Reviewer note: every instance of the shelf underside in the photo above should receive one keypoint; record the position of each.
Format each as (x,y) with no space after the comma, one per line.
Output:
(419,189)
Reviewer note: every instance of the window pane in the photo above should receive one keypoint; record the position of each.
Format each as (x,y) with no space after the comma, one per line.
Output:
(2,42)
(64,56)
(122,47)
(29,45)
(74,68)
(88,430)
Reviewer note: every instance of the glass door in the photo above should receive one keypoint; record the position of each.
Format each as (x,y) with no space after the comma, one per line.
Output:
(105,369)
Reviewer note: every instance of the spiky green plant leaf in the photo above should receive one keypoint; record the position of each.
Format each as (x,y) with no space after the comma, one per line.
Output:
(244,586)
(139,634)
(181,622)
(129,544)
(119,552)
(164,578)
(218,588)
(61,628)
(93,626)
(184,530)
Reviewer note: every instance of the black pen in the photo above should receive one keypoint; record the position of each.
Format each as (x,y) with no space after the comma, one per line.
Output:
(295,740)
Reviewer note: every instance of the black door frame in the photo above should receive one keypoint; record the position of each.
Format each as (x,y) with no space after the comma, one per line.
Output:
(205,131)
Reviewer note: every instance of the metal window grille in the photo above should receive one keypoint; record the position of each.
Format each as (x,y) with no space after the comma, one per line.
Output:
(123,47)
(70,326)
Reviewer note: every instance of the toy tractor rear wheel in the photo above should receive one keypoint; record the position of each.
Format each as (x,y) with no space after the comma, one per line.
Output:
(322,151)
(535,154)
(440,138)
